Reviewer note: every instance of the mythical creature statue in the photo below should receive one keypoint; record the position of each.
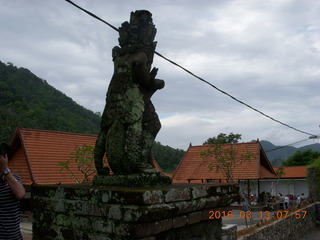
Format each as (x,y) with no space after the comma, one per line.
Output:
(129,121)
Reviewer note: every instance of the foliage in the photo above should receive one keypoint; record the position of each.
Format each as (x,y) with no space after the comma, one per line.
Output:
(226,157)
(316,165)
(302,158)
(223,138)
(167,157)
(30,102)
(279,172)
(83,158)
(278,154)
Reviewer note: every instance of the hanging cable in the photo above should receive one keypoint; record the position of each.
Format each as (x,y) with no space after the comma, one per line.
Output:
(286,145)
(196,76)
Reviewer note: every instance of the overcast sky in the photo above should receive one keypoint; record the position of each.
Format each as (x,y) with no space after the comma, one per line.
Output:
(264,53)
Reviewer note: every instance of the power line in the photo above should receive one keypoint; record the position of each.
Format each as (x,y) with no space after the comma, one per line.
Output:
(93,15)
(286,145)
(196,76)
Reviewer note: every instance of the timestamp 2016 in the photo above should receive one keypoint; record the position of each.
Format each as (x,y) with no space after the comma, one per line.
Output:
(261,214)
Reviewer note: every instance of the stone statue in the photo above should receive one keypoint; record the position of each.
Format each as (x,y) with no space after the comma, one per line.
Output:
(129,121)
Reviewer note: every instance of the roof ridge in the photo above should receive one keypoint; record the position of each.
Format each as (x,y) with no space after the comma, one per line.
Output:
(242,143)
(291,166)
(52,131)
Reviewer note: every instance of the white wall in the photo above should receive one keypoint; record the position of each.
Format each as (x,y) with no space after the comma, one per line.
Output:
(275,186)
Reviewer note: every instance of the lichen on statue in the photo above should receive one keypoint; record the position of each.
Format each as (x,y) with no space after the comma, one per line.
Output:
(129,122)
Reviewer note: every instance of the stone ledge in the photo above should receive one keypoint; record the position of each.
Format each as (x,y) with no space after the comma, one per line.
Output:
(141,196)
(133,180)
(91,212)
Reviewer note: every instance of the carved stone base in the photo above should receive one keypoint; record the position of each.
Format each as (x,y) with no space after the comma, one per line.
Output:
(86,212)
(133,180)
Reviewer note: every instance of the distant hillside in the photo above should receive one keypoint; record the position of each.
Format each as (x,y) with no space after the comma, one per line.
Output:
(280,154)
(28,101)
(164,153)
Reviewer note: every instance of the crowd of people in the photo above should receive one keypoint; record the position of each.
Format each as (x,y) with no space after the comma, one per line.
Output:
(289,201)
(279,202)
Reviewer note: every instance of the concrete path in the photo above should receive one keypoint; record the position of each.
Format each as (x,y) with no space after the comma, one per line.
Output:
(244,221)
(26,230)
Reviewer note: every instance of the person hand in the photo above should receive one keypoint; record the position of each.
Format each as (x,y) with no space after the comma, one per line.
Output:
(3,162)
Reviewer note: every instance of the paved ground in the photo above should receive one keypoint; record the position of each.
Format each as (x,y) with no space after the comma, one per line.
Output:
(26,230)
(238,217)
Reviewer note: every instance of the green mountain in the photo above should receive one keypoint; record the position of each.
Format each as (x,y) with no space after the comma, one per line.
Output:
(30,102)
(278,154)
(163,153)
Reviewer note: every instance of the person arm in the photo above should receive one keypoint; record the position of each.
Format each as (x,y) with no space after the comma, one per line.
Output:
(15,186)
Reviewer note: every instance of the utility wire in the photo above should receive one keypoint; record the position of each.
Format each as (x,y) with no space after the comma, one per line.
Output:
(286,145)
(93,15)
(196,76)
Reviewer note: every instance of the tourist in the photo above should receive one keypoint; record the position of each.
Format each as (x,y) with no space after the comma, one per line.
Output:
(298,200)
(286,202)
(11,191)
(281,200)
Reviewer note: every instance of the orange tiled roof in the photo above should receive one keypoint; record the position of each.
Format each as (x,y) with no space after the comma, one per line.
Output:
(36,154)
(194,167)
(293,171)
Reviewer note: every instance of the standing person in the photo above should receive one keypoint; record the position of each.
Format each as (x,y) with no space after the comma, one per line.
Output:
(11,191)
(281,200)
(286,202)
(298,200)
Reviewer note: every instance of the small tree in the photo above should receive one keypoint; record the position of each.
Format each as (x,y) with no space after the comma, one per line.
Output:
(226,156)
(223,138)
(83,157)
(279,172)
(316,165)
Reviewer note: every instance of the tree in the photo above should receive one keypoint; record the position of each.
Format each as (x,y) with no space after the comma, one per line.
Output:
(83,157)
(316,165)
(302,158)
(167,157)
(279,172)
(224,154)
(223,138)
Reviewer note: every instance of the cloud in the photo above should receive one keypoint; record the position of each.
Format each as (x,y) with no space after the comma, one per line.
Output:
(266,54)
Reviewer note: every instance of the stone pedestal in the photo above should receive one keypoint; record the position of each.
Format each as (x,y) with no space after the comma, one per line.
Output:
(86,212)
(133,180)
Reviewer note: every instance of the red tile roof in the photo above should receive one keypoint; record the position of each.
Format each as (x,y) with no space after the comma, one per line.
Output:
(293,171)
(36,155)
(194,167)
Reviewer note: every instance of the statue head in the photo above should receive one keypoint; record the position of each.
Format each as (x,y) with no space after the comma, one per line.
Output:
(140,30)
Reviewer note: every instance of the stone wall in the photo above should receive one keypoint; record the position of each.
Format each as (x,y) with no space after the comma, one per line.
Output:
(229,232)
(178,211)
(292,227)
(312,181)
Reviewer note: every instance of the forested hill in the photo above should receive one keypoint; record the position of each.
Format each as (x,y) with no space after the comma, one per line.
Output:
(278,154)
(30,102)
